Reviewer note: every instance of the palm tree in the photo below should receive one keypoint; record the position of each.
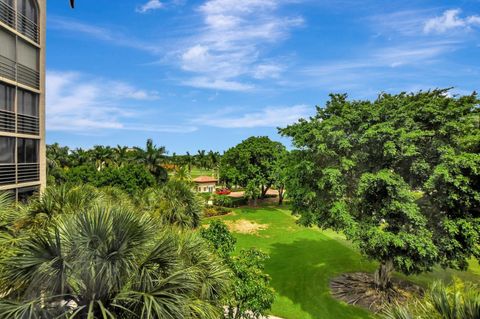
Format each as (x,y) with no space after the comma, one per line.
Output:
(120,155)
(102,156)
(111,262)
(182,174)
(189,161)
(174,204)
(214,161)
(201,158)
(153,157)
(57,156)
(79,157)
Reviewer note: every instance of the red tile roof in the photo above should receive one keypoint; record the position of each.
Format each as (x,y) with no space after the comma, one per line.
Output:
(205,179)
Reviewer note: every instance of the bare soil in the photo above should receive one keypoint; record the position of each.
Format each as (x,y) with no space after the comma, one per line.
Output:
(359,289)
(244,226)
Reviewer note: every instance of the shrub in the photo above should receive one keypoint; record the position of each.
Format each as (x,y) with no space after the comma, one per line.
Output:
(129,178)
(222,200)
(213,211)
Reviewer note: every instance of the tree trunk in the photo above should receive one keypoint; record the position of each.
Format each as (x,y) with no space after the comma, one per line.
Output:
(280,195)
(264,190)
(383,275)
(255,202)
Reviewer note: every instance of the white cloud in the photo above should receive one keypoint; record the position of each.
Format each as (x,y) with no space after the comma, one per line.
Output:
(218,84)
(450,20)
(80,103)
(232,42)
(150,5)
(268,117)
(116,38)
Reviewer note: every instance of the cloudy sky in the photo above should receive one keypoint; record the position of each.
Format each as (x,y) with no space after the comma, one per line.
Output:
(208,74)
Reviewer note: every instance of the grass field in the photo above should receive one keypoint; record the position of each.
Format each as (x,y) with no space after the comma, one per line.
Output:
(197,171)
(303,260)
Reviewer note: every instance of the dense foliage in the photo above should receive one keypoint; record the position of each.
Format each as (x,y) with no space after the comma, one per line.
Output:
(96,257)
(252,295)
(252,165)
(174,204)
(131,178)
(456,301)
(399,176)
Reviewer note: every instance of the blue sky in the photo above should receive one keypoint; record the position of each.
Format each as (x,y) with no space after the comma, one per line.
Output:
(208,74)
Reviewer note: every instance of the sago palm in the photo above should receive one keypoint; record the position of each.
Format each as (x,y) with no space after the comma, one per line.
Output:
(110,262)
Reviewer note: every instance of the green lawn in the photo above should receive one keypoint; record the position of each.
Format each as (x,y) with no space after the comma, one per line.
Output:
(302,261)
(197,171)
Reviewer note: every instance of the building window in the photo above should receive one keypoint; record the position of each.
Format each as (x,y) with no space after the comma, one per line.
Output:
(7,116)
(27,55)
(25,193)
(7,55)
(28,9)
(27,150)
(7,95)
(7,160)
(27,103)
(7,150)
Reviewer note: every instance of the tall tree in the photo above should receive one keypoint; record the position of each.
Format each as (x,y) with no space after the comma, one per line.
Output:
(201,158)
(251,163)
(399,176)
(153,157)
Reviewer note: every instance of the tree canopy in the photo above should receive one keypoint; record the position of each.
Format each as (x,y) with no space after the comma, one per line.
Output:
(252,163)
(400,176)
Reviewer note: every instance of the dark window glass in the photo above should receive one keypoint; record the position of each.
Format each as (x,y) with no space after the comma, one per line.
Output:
(25,193)
(27,150)
(7,95)
(28,9)
(27,103)
(7,150)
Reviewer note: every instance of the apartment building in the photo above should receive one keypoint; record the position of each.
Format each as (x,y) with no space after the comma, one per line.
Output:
(22,97)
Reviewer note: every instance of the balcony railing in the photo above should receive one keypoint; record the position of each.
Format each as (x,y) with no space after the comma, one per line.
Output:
(27,124)
(7,68)
(28,76)
(7,121)
(7,174)
(27,27)
(18,72)
(28,172)
(24,25)
(7,14)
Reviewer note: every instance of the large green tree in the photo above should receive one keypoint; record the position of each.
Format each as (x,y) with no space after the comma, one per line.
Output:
(252,161)
(400,176)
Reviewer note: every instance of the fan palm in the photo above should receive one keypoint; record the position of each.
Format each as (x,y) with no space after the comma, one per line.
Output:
(111,262)
(174,204)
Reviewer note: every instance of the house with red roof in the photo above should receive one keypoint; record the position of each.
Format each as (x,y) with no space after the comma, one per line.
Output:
(205,184)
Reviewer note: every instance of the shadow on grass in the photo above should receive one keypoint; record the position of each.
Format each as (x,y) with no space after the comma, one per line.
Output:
(301,271)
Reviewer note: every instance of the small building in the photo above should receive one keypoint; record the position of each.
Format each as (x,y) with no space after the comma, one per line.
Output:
(205,184)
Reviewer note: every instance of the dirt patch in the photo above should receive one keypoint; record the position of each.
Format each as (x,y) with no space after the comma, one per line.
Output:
(244,226)
(359,289)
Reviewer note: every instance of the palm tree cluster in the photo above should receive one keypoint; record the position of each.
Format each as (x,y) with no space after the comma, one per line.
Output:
(80,252)
(153,157)
(102,156)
